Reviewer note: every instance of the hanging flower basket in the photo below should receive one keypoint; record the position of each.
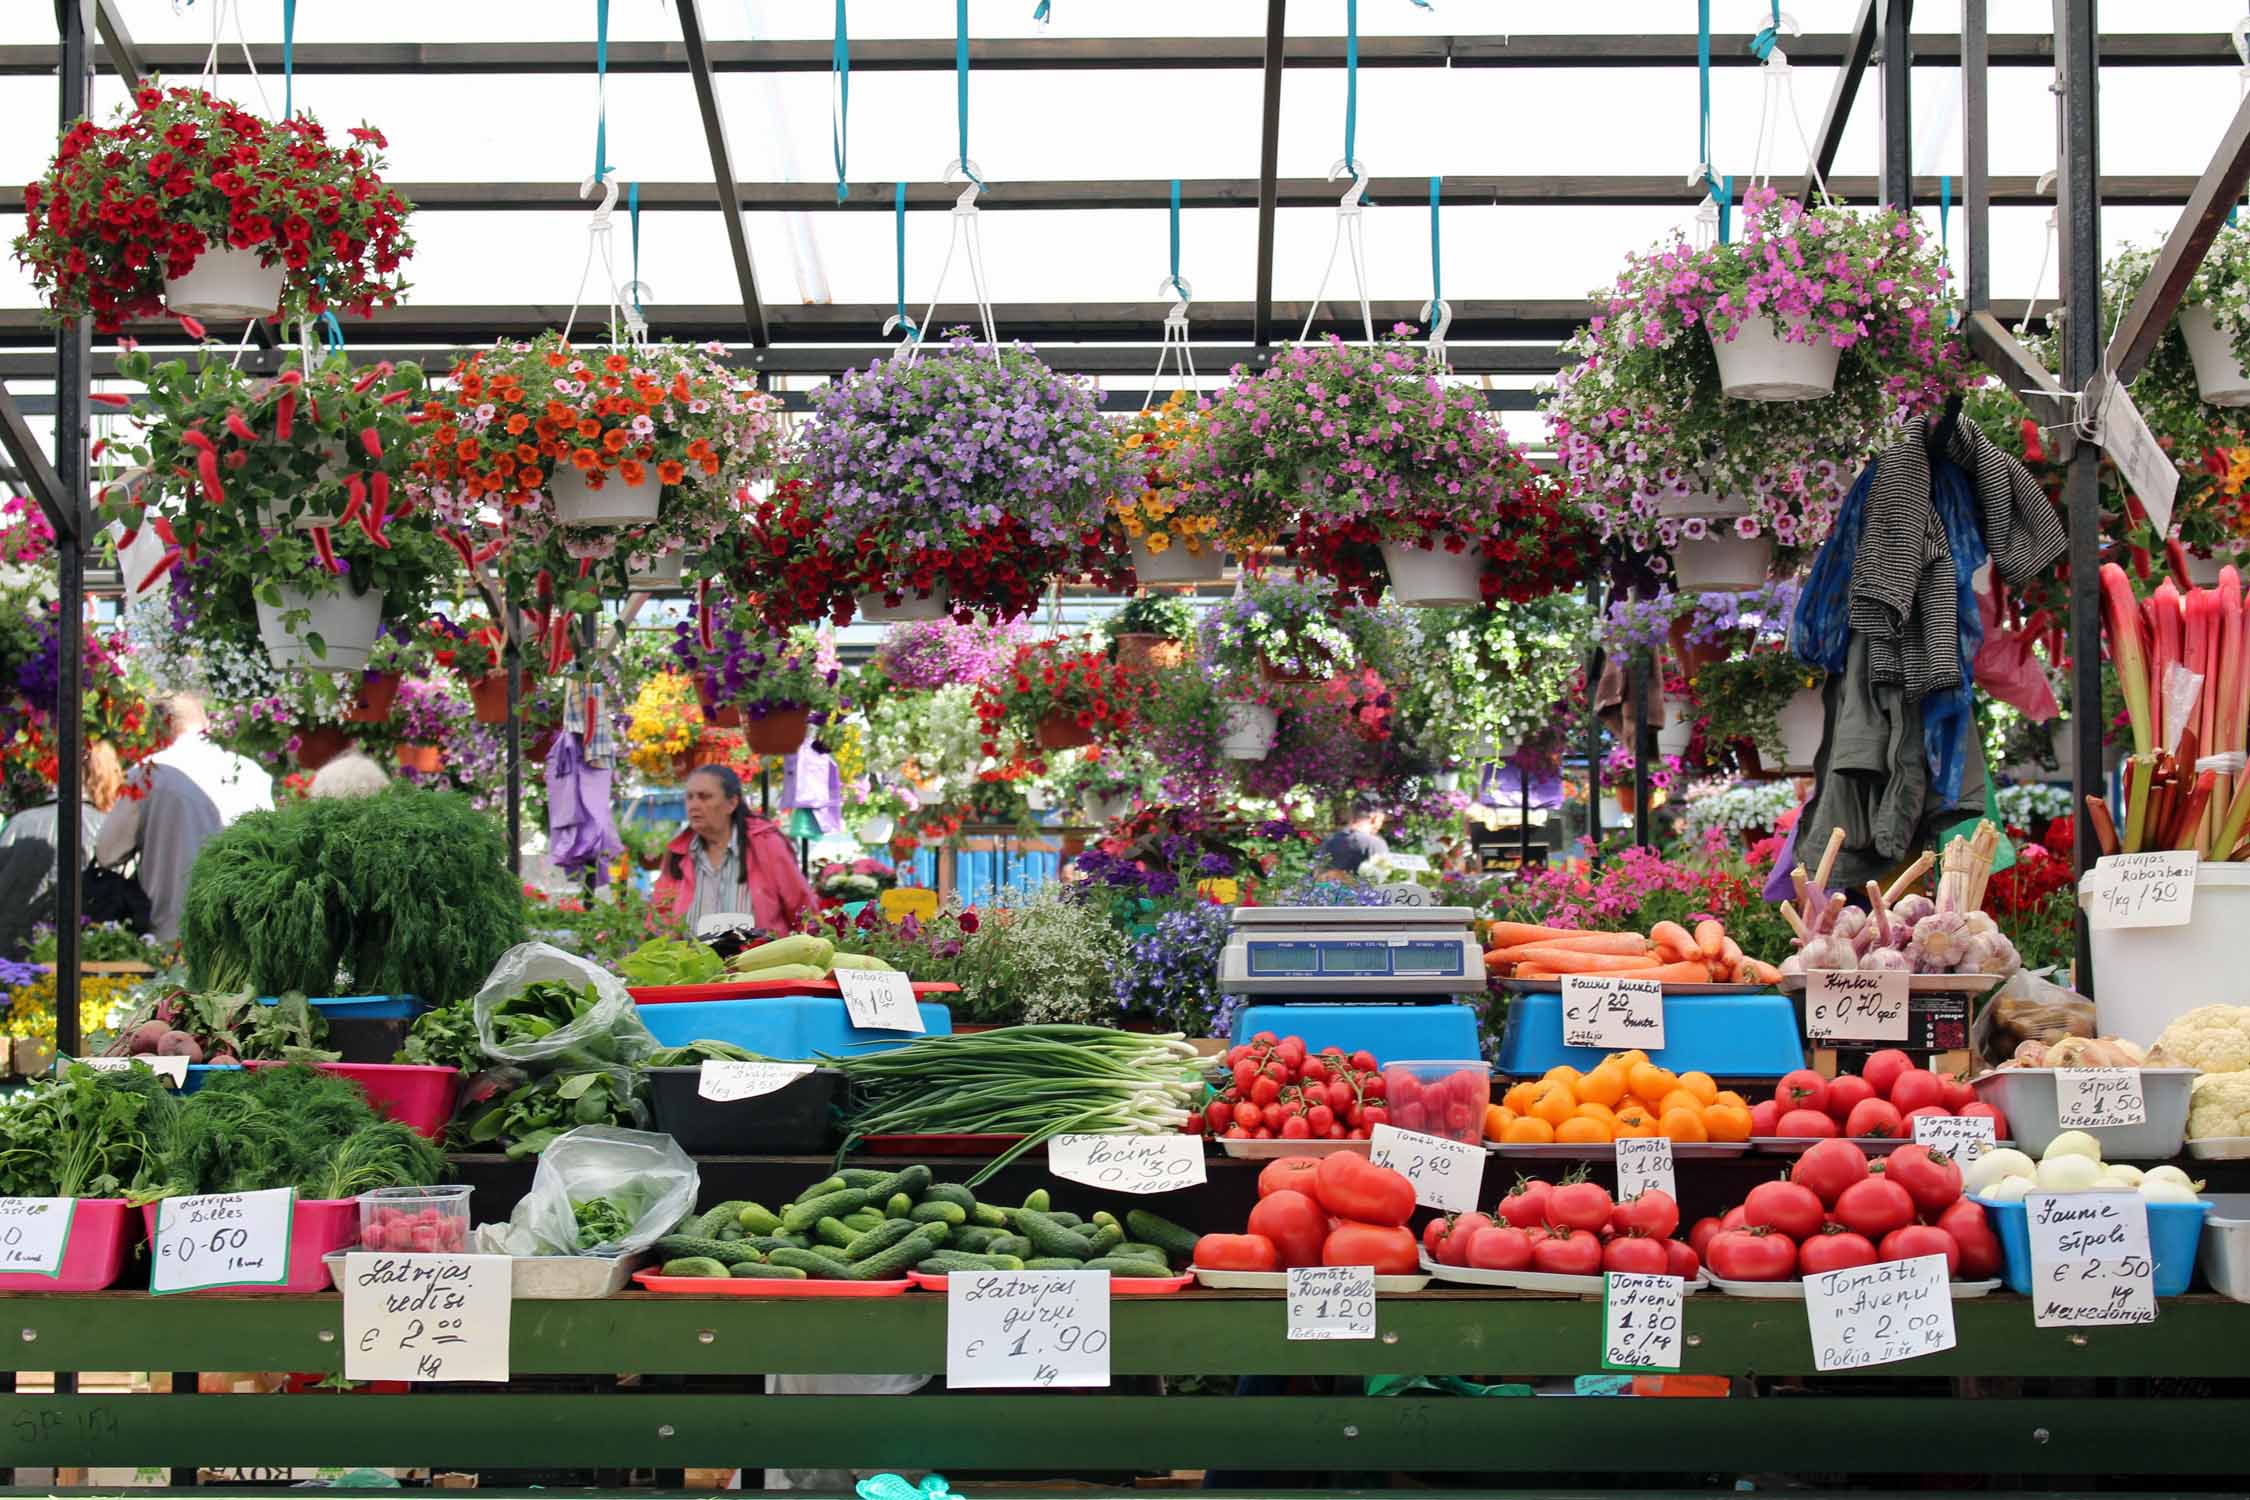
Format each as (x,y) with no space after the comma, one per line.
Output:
(1431,577)
(1249,731)
(661,574)
(1059,694)
(540,746)
(1721,563)
(2218,371)
(372,700)
(716,714)
(875,829)
(1141,651)
(911,607)
(1103,808)
(330,632)
(1678,729)
(1176,564)
(1801,720)
(490,695)
(319,745)
(423,760)
(619,502)
(778,731)
(226,283)
(1061,731)
(1757,364)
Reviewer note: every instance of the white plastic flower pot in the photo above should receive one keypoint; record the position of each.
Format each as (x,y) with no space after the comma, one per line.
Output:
(1757,364)
(1105,809)
(2203,572)
(875,828)
(1678,727)
(1431,577)
(226,283)
(1446,781)
(1039,799)
(664,573)
(345,623)
(616,503)
(2217,371)
(1249,731)
(1801,720)
(1721,563)
(936,605)
(1176,564)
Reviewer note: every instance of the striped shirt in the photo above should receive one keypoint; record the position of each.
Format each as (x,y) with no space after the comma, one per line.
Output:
(717,888)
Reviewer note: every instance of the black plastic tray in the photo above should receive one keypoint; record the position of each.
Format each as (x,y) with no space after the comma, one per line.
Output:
(798,1117)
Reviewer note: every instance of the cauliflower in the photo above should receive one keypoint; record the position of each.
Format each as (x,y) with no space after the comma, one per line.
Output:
(2220,1105)
(2215,1038)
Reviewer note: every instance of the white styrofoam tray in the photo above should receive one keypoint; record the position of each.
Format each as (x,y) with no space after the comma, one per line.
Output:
(2220,1148)
(1268,1150)
(1535,1281)
(1278,1281)
(1794,1291)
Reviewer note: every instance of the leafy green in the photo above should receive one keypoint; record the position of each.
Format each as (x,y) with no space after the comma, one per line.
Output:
(600,1222)
(288,1127)
(445,1038)
(661,961)
(537,1110)
(239,1025)
(703,1051)
(85,1134)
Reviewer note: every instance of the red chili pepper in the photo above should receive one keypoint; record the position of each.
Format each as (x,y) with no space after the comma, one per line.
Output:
(109,398)
(284,414)
(193,326)
(371,441)
(241,429)
(164,565)
(207,469)
(460,544)
(356,488)
(325,549)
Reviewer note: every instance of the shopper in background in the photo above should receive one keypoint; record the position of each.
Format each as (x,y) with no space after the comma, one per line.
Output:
(729,860)
(27,847)
(1358,841)
(177,799)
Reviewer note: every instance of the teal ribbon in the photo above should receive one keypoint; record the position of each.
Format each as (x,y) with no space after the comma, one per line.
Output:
(1437,272)
(1177,288)
(1944,211)
(1351,82)
(288,59)
(331,332)
(1769,36)
(898,204)
(601,87)
(1723,190)
(961,82)
(1040,12)
(633,213)
(840,119)
(1703,81)
(895,1487)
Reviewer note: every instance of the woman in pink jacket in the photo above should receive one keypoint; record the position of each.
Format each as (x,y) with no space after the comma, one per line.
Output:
(727,860)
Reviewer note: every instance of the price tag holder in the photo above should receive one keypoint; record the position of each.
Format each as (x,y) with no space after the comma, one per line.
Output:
(35,1234)
(879,1001)
(1007,1329)
(427,1317)
(1612,1014)
(2089,1098)
(1962,1137)
(1879,1314)
(726,1080)
(1642,1328)
(1411,864)
(1855,1005)
(172,1070)
(222,1239)
(1331,1302)
(1447,1175)
(1644,1162)
(2156,889)
(1129,1163)
(2090,1261)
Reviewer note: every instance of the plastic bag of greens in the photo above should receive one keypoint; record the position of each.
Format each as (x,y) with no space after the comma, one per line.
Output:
(598,1191)
(543,1006)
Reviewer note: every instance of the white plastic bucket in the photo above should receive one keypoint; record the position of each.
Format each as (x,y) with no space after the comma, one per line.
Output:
(1721,563)
(664,573)
(2147,977)
(226,283)
(345,622)
(936,605)
(1801,720)
(1249,731)
(1176,564)
(1433,578)
(2203,572)
(875,828)
(1757,364)
(2217,371)
(1446,781)
(1678,728)
(616,503)
(1101,809)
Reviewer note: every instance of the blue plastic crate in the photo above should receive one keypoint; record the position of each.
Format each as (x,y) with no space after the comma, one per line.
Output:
(362,1007)
(1388,1031)
(1732,1036)
(2175,1233)
(199,1074)
(792,1027)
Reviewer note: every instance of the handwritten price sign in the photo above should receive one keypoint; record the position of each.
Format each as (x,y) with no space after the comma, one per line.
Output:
(1332,1302)
(1128,1163)
(725,1080)
(2156,889)
(34,1233)
(1026,1328)
(2090,1261)
(1642,1328)
(1612,1014)
(1879,1314)
(1447,1175)
(427,1317)
(1644,1162)
(879,1001)
(223,1239)
(1962,1137)
(2089,1098)
(1855,1005)
(173,1070)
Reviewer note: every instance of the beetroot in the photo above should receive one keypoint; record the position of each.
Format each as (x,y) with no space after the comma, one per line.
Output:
(223,1060)
(148,1037)
(180,1044)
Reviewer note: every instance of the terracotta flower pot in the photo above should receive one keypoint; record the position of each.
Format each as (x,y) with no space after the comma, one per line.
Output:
(781,732)
(540,746)
(1061,731)
(1694,657)
(490,694)
(1274,674)
(371,704)
(317,746)
(423,760)
(1141,651)
(716,714)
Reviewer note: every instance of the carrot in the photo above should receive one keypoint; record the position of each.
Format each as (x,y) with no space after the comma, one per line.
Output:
(1637,950)
(1516,934)
(1758,972)
(1710,937)
(1496,960)
(1676,973)
(1532,971)
(1730,957)
(1672,940)
(1597,942)
(1570,961)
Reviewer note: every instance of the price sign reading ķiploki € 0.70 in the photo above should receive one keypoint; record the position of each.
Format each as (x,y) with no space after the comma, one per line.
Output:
(1612,1014)
(1447,1175)
(222,1239)
(1856,1005)
(427,1317)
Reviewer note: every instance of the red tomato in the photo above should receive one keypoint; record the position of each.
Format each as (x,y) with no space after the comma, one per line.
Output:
(1875,1207)
(1803,1123)
(1915,1088)
(1248,1115)
(1923,1239)
(1652,1213)
(1828,1168)
(1928,1112)
(1845,1094)
(1453,1247)
(1731,1219)
(1636,1253)
(1264,1089)
(1295,1129)
(1753,1255)
(1292,1172)
(1933,1182)
(1389,1248)
(1956,1091)
(1699,1238)
(1526,1203)
(1291,1051)
(1220,1116)
(1579,1205)
(1566,1252)
(1801,1088)
(1363,1061)
(1352,1187)
(1294,1222)
(1236,1252)
(1505,1248)
(1372,1115)
(1784,1207)
(1312,1070)
(1245,1074)
(1971,1229)
(1321,1118)
(1875,1117)
(1433,1234)
(1834,1250)
(1981,1110)
(1883,1069)
(1681,1260)
(1765,1118)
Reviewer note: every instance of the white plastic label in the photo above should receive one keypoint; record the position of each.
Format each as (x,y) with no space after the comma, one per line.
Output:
(726,1080)
(172,1070)
(1128,1163)
(879,1001)
(1879,1314)
(2090,1261)
(427,1317)
(1644,1162)
(1607,1013)
(1642,1326)
(2124,435)
(1410,864)
(34,1233)
(1026,1328)
(2089,1098)
(2156,889)
(1331,1302)
(1855,1005)
(223,1239)
(1447,1175)
(1962,1137)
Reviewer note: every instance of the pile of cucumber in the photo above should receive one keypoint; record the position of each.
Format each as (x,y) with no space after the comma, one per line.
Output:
(869,1225)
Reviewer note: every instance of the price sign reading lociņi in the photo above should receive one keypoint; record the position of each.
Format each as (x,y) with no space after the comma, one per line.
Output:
(1644,1162)
(1855,1005)
(2090,1098)
(222,1239)
(1128,1163)
(877,1000)
(34,1234)
(724,1080)
(1642,1328)
(2090,1261)
(1026,1328)
(427,1317)
(1612,1014)
(1962,1137)
(1332,1302)
(1879,1314)
(1447,1175)
(2155,889)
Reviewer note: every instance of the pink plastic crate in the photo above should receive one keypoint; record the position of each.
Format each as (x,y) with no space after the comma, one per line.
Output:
(417,1095)
(318,1226)
(101,1231)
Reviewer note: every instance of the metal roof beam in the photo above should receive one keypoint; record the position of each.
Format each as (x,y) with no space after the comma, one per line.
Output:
(33,469)
(1829,139)
(722,167)
(117,43)
(1269,162)
(2214,196)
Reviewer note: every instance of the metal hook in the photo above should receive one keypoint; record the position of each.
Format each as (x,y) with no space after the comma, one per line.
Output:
(894,323)
(1345,167)
(1181,291)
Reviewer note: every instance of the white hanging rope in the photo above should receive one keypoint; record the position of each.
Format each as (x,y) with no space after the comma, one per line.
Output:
(1779,94)
(1348,231)
(2046,255)
(1175,345)
(598,246)
(220,10)
(967,229)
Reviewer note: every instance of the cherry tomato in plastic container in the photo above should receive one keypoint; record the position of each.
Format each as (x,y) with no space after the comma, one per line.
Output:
(1448,1098)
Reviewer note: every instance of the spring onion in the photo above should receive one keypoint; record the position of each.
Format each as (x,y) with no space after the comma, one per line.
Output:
(1033,1081)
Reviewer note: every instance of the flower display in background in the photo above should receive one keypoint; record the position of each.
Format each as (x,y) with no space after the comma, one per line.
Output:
(926,654)
(1068,680)
(1751,807)
(1170,976)
(1163,513)
(665,723)
(1276,627)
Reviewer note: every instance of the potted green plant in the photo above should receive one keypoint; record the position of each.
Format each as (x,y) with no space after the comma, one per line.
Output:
(1769,698)
(1150,631)
(395,654)
(2214,319)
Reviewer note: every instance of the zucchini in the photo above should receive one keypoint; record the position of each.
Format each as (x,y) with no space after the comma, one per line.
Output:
(833,1232)
(756,1218)
(701,1266)
(684,1246)
(1051,1239)
(888,1234)
(1177,1244)
(800,948)
(950,1192)
(891,1264)
(814,1264)
(1054,1263)
(759,1269)
(725,1215)
(1105,1238)
(933,1212)
(808,1211)
(1118,1265)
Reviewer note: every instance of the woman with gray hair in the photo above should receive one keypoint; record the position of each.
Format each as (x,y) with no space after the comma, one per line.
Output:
(350,774)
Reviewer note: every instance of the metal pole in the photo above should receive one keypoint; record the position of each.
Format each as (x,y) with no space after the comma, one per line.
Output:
(512,655)
(73,358)
(1269,161)
(1644,742)
(2078,56)
(1592,727)
(1895,39)
(1976,155)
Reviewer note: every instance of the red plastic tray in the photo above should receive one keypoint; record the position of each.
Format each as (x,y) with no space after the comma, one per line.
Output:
(1119,1286)
(758,989)
(938,1145)
(755,1286)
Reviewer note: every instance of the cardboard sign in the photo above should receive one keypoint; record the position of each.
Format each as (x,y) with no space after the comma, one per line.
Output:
(427,1317)
(879,1001)
(725,1080)
(1612,1014)
(2090,1098)
(2156,889)
(1962,1137)
(1026,1328)
(1331,1302)
(1129,1163)
(2090,1261)
(223,1239)
(173,1070)
(2125,436)
(1642,1327)
(1856,1005)
(1447,1175)
(1644,1162)
(34,1234)
(1879,1314)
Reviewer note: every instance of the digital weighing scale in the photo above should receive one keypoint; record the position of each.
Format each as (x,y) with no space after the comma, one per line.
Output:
(1379,978)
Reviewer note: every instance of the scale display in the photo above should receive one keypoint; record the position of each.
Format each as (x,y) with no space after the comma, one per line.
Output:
(1366,952)
(1353,960)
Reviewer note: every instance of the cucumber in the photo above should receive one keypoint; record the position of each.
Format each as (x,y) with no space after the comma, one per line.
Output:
(913,1181)
(1051,1239)
(825,1185)
(763,1243)
(721,1217)
(1177,1244)
(899,1206)
(891,1264)
(1068,1221)
(973,1239)
(1118,1265)
(751,1268)
(1009,1244)
(814,1264)
(688,1246)
(931,1212)
(991,1216)
(953,1260)
(694,1265)
(809,1210)
(939,1233)
(1105,1219)
(1105,1238)
(1054,1263)
(888,1234)
(864,1220)
(833,1232)
(866,1177)
(950,1192)
(1037,1200)
(1138,1250)
(729,1231)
